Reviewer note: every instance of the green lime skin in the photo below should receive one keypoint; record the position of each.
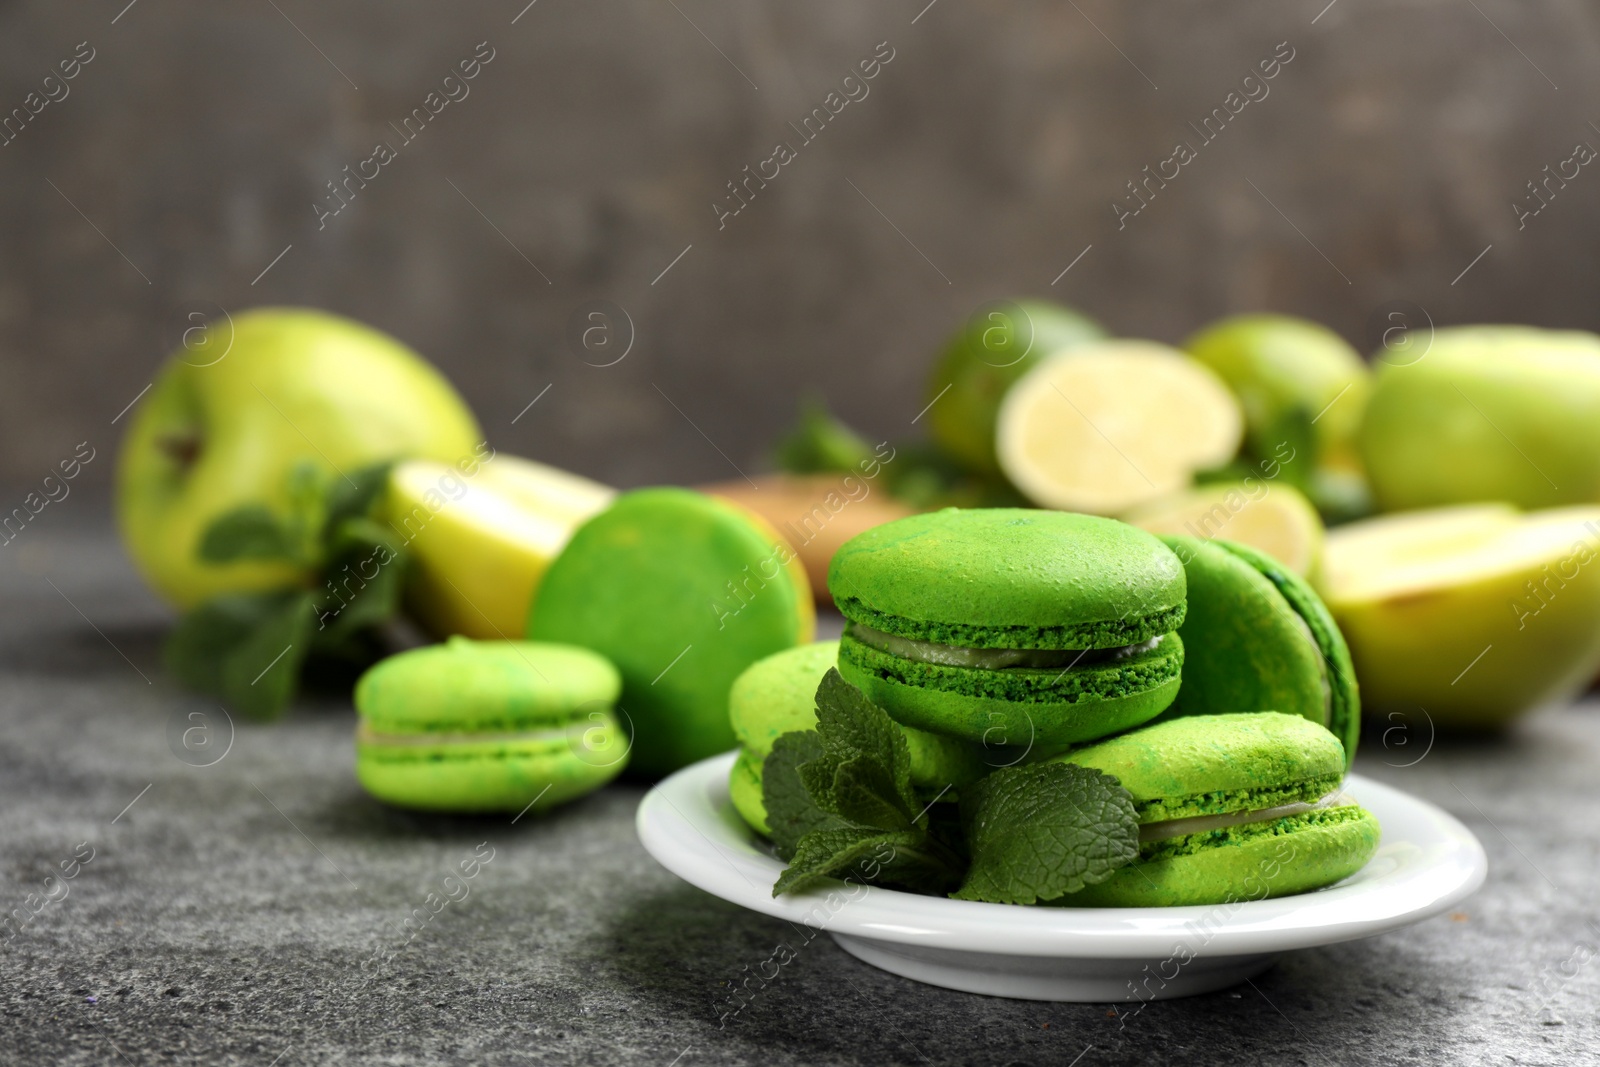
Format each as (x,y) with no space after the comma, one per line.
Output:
(994,348)
(488,726)
(1290,375)
(1217,765)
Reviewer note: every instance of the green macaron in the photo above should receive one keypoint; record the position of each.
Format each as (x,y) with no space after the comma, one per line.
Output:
(1258,638)
(1230,807)
(682,591)
(778,695)
(485,726)
(1011,625)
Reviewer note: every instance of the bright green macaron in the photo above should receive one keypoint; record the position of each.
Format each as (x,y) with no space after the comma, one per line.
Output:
(1011,625)
(682,591)
(1230,807)
(1258,638)
(778,695)
(483,726)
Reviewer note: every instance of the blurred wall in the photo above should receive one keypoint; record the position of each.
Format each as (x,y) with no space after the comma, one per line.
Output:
(592,148)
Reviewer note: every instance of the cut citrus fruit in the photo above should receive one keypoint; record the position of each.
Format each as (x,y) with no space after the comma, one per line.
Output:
(481,542)
(1273,517)
(1474,614)
(1108,427)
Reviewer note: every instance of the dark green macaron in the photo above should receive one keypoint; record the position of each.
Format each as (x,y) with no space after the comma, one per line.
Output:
(1230,807)
(777,695)
(1011,625)
(682,591)
(485,726)
(1258,638)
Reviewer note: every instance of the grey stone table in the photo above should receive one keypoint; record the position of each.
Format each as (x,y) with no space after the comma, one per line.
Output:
(228,910)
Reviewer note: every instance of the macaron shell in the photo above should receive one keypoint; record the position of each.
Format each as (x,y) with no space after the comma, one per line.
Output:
(506,775)
(1209,754)
(1010,578)
(1345,715)
(1256,867)
(1001,721)
(744,789)
(682,592)
(500,686)
(778,694)
(1248,648)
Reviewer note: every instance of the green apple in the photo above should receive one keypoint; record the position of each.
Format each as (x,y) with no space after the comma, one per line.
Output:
(1299,383)
(1475,614)
(235,411)
(994,348)
(481,536)
(1488,413)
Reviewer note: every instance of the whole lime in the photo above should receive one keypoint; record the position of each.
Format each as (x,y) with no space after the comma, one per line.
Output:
(1291,376)
(997,345)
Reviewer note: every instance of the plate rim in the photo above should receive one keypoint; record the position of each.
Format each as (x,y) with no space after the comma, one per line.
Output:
(1412,888)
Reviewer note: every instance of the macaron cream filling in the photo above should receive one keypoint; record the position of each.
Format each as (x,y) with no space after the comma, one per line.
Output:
(1167,829)
(366,735)
(992,658)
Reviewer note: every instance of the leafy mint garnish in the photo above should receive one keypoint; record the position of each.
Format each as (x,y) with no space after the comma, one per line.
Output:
(840,804)
(250,648)
(1044,830)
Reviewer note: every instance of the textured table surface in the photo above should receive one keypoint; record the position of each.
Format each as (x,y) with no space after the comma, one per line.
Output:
(228,909)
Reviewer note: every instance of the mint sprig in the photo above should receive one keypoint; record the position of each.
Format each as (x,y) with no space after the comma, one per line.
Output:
(250,649)
(1041,831)
(840,803)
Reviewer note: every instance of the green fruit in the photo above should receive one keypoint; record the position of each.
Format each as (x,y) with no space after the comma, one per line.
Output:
(232,415)
(1473,614)
(995,347)
(1289,375)
(1488,413)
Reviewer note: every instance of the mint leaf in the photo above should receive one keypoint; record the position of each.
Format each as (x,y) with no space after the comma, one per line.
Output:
(851,724)
(828,854)
(840,803)
(865,795)
(230,647)
(365,579)
(203,638)
(247,532)
(820,442)
(1042,831)
(907,859)
(251,649)
(354,495)
(261,673)
(791,813)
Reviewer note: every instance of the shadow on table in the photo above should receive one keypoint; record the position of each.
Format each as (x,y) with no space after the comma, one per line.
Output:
(760,984)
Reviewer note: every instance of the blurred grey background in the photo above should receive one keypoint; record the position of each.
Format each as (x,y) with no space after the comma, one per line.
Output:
(186,158)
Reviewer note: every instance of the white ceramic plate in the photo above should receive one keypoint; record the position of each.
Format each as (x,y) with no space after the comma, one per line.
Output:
(1426,862)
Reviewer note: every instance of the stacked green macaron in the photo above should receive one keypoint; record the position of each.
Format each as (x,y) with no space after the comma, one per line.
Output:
(487,726)
(1234,806)
(778,694)
(1039,626)
(1257,637)
(1207,680)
